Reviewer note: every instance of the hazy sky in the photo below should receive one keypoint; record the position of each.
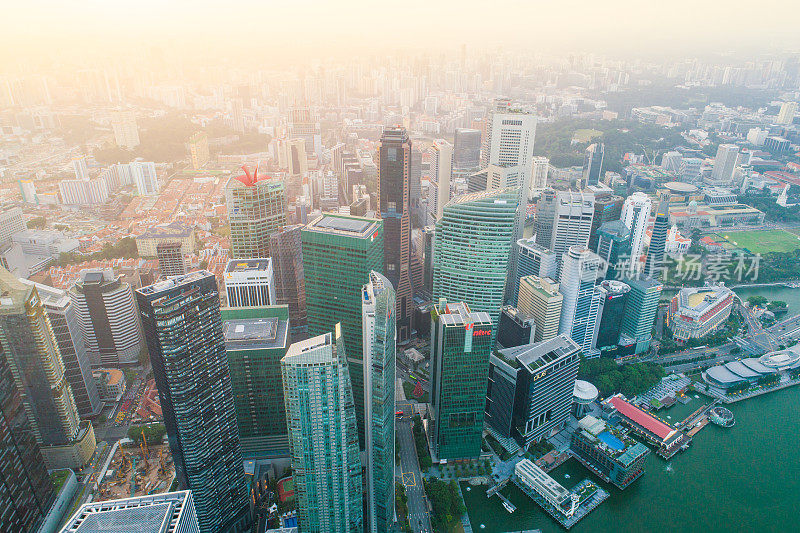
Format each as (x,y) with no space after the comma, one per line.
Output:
(313,26)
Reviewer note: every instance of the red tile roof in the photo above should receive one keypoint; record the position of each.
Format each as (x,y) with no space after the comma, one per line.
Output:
(645,420)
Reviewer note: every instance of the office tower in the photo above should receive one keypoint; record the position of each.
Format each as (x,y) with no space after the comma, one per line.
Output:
(593,164)
(303,124)
(672,161)
(415,188)
(170,258)
(183,327)
(198,149)
(428,241)
(563,220)
(530,390)
(145,178)
(787,113)
(724,165)
(256,210)
(147,242)
(156,513)
(339,252)
(607,208)
(635,215)
(533,260)
(378,326)
(461,342)
(31,349)
(581,300)
(323,439)
(471,255)
(509,139)
(12,221)
(541,166)
(77,366)
(297,158)
(256,339)
(290,284)
(540,298)
(466,149)
(441,170)
(514,328)
(80,167)
(107,317)
(613,297)
(394,162)
(250,283)
(658,241)
(640,311)
(26,492)
(614,248)
(126,133)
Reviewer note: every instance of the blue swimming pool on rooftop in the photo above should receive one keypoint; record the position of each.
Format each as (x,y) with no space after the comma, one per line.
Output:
(611,441)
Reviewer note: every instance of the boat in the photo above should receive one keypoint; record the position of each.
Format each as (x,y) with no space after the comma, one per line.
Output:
(721,416)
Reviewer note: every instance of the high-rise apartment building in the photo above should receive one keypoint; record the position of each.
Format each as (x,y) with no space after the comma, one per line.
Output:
(339,252)
(658,241)
(145,178)
(640,311)
(290,283)
(183,327)
(540,298)
(786,114)
(323,439)
(26,491)
(256,210)
(593,164)
(724,165)
(126,132)
(157,513)
(378,310)
(31,350)
(171,261)
(256,339)
(80,167)
(635,215)
(77,366)
(461,342)
(198,149)
(441,171)
(533,260)
(83,192)
(466,149)
(250,283)
(471,255)
(530,390)
(107,317)
(563,220)
(581,301)
(394,164)
(12,221)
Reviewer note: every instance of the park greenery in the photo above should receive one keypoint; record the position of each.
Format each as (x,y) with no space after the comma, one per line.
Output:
(421,444)
(401,506)
(446,503)
(37,223)
(152,432)
(765,201)
(609,377)
(124,248)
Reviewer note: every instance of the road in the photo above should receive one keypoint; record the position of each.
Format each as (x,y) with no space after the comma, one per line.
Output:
(410,474)
(404,374)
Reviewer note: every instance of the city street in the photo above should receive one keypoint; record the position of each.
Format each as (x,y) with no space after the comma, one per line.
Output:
(409,474)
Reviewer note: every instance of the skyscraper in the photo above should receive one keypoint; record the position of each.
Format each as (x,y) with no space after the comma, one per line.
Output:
(510,133)
(26,492)
(441,170)
(256,210)
(613,297)
(593,164)
(607,208)
(145,178)
(640,311)
(107,317)
(635,215)
(394,164)
(540,298)
(541,166)
(564,219)
(183,327)
(614,248)
(323,439)
(290,284)
(533,260)
(787,113)
(466,149)
(126,133)
(378,323)
(170,258)
(658,241)
(339,252)
(31,349)
(297,158)
(461,342)
(256,339)
(724,165)
(473,243)
(158,513)
(77,366)
(250,283)
(581,301)
(198,149)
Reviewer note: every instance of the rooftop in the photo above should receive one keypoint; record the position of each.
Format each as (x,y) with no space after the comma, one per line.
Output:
(248,265)
(255,333)
(696,301)
(174,229)
(540,354)
(160,513)
(642,418)
(345,225)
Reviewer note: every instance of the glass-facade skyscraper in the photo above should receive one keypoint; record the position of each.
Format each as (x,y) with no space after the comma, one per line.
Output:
(339,252)
(472,247)
(323,438)
(378,322)
(256,210)
(183,327)
(290,284)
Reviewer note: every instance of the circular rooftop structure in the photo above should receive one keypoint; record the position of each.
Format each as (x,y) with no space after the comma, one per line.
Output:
(678,187)
(584,392)
(782,360)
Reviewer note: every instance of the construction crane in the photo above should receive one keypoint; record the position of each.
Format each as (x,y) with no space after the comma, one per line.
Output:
(143,446)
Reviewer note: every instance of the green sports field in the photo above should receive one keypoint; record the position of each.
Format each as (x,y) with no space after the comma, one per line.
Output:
(763,241)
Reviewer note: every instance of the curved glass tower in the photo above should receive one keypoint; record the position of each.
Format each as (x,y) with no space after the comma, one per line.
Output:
(471,253)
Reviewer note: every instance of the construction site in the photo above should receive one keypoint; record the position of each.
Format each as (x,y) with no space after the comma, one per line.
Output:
(138,471)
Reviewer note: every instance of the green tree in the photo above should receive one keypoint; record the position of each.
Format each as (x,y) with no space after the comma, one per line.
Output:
(37,223)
